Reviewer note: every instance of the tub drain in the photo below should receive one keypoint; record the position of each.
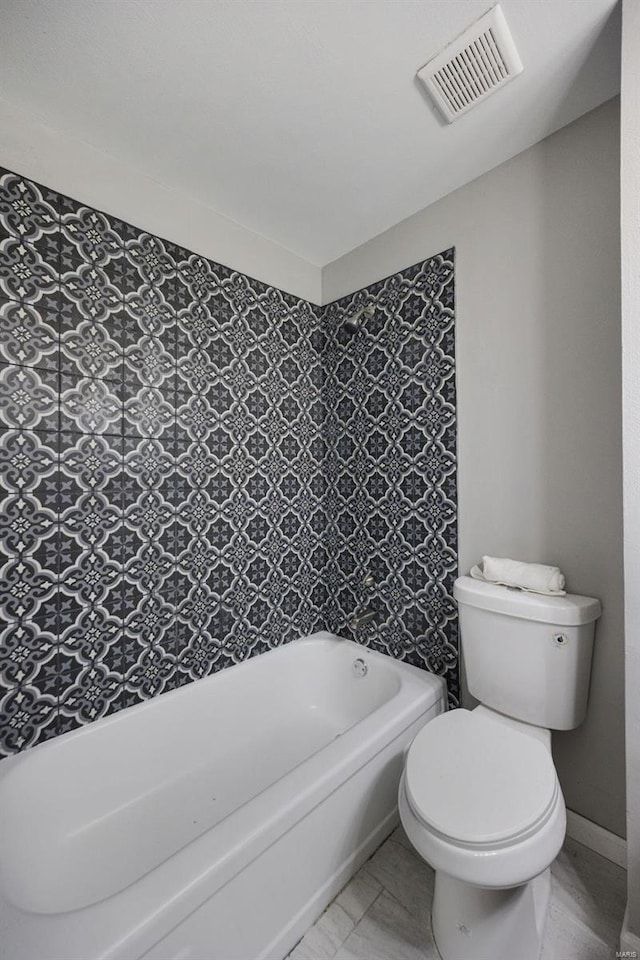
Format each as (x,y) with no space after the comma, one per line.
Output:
(359,667)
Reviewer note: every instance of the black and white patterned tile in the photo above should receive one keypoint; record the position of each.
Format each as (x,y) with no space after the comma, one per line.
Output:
(390,466)
(29,335)
(28,398)
(196,467)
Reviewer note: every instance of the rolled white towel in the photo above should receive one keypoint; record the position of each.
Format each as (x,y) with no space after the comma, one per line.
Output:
(528,576)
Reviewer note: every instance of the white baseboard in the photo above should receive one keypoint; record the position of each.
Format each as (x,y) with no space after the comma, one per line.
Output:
(629,942)
(598,839)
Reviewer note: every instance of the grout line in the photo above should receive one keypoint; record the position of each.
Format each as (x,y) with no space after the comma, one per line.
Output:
(364,915)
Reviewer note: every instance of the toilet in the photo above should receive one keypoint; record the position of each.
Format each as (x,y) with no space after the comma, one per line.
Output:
(479,797)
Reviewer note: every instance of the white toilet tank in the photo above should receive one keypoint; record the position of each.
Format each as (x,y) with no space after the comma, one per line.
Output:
(526,655)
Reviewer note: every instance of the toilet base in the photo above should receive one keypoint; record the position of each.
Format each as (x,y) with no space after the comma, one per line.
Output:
(480,923)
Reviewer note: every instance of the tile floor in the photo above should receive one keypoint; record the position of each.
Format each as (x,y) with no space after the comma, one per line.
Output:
(384,911)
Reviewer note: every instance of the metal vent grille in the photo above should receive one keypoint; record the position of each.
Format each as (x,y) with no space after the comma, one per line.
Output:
(471,68)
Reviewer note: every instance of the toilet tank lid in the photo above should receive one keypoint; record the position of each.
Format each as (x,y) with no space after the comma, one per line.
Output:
(570,610)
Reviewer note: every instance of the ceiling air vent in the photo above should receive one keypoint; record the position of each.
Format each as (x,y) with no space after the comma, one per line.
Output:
(478,63)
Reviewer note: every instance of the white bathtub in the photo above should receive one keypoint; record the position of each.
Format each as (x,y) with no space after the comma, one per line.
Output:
(214,822)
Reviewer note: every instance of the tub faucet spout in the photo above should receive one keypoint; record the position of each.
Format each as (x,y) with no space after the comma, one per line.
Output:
(362,617)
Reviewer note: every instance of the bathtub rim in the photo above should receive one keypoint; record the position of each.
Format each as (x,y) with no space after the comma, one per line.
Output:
(205,865)
(8,763)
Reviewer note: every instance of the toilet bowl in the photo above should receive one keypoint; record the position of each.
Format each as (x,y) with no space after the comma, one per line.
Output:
(480,801)
(479,797)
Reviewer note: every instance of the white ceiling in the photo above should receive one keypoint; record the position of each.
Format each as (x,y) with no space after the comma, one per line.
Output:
(301,120)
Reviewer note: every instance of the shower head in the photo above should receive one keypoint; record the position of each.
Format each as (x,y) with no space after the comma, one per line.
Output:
(353,323)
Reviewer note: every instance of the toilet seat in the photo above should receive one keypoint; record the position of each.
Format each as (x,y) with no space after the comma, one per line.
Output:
(479,783)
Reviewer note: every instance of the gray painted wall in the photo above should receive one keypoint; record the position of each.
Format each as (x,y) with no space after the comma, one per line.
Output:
(630,196)
(538,370)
